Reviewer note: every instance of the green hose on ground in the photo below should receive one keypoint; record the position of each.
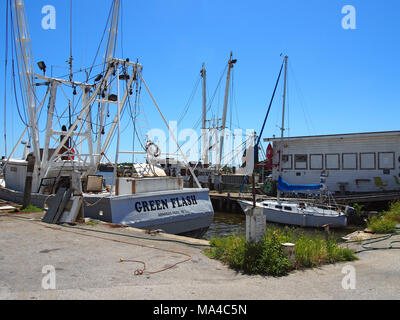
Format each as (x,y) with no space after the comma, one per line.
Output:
(380,239)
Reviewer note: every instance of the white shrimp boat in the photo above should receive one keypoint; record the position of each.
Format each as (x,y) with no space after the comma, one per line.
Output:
(143,196)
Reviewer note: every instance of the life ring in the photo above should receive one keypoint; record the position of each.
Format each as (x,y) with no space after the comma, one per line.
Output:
(153,149)
(69,155)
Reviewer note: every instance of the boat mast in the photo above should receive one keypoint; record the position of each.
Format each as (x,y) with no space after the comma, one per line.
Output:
(112,35)
(204,120)
(283,125)
(25,61)
(223,125)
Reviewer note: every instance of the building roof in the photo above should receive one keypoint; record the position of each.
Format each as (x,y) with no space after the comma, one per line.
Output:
(338,136)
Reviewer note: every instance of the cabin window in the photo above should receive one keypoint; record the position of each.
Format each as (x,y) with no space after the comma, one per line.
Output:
(278,207)
(367,161)
(332,161)
(349,161)
(316,161)
(300,161)
(288,208)
(386,160)
(287,162)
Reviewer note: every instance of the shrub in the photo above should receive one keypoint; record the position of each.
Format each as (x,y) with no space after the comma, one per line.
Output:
(387,221)
(267,256)
(382,224)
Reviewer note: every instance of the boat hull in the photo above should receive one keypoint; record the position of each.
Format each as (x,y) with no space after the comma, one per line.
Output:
(184,212)
(187,211)
(300,219)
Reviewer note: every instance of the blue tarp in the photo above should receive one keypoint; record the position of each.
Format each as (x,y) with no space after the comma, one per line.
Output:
(284,186)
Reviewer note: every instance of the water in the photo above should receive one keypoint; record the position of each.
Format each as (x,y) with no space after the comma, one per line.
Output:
(226,224)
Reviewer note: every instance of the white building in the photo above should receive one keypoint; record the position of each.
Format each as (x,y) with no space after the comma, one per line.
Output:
(356,162)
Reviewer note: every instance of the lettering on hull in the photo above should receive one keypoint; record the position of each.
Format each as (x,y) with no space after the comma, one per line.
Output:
(164,204)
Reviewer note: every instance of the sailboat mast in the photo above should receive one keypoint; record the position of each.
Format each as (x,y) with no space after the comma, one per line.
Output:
(283,123)
(204,115)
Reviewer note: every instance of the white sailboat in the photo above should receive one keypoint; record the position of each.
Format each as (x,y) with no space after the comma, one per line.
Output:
(299,213)
(70,156)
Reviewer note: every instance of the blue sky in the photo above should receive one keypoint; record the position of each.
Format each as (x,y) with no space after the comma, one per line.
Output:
(339,81)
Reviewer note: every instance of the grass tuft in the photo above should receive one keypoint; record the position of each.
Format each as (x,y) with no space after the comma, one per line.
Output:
(31,208)
(387,221)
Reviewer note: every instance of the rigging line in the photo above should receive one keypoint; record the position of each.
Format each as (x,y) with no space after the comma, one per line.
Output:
(302,101)
(5,83)
(16,96)
(130,111)
(269,107)
(170,131)
(263,126)
(101,41)
(190,100)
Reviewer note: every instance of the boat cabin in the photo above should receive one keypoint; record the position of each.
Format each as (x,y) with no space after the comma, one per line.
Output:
(352,163)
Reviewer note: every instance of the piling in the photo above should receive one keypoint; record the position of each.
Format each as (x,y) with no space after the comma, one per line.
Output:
(255,224)
(28,181)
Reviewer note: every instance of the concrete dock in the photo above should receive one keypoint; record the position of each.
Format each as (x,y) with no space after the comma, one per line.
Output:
(87,265)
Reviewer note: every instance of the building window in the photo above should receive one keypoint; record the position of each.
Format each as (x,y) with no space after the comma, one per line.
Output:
(349,161)
(367,161)
(316,161)
(300,161)
(332,161)
(386,160)
(287,162)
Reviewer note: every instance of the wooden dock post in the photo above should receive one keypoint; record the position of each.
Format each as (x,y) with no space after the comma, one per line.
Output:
(28,181)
